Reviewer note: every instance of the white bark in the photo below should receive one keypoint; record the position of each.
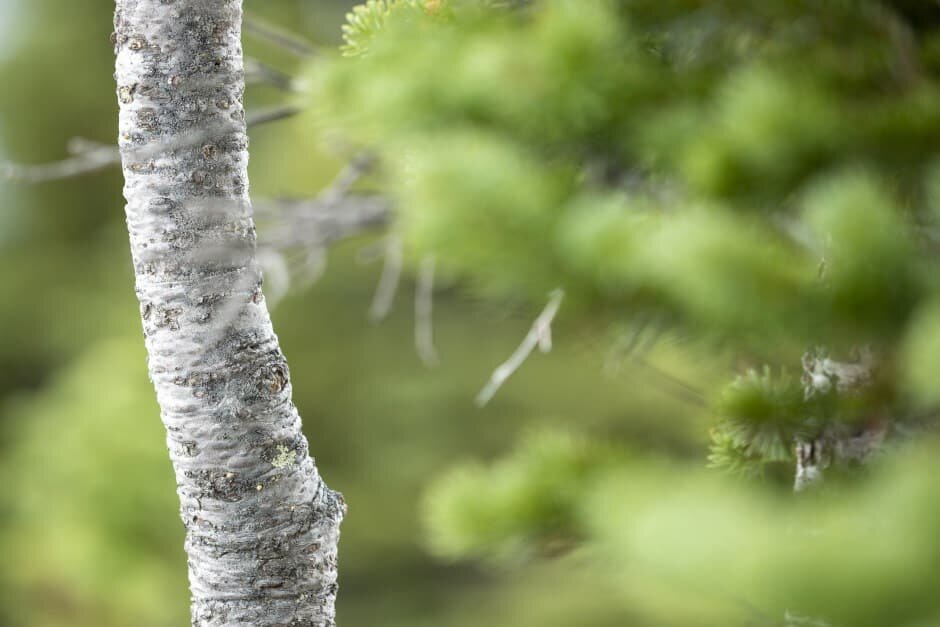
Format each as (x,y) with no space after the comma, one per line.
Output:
(262,527)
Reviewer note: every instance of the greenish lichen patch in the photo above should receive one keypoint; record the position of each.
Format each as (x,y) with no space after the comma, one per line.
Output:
(285,457)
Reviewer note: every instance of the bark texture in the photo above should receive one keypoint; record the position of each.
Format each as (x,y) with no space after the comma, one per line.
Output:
(262,527)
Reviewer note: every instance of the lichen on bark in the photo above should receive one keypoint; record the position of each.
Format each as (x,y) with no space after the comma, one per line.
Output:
(261,526)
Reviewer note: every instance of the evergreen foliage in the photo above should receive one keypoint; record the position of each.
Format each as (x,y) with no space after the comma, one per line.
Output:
(759,176)
(527,501)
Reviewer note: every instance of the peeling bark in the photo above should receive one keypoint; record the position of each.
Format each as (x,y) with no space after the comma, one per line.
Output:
(261,526)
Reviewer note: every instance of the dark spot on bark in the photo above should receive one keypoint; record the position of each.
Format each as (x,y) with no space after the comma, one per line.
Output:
(140,166)
(209,151)
(145,310)
(204,385)
(190,448)
(220,485)
(137,43)
(135,139)
(273,378)
(126,93)
(273,548)
(334,505)
(169,318)
(181,239)
(147,118)
(163,204)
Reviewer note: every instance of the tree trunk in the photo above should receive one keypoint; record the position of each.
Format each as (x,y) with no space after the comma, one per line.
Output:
(261,526)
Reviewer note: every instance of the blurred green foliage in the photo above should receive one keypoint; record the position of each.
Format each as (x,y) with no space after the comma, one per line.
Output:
(752,179)
(716,186)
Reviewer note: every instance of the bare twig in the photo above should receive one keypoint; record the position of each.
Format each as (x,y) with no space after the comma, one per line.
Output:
(309,226)
(333,215)
(273,114)
(389,279)
(259,72)
(88,156)
(84,162)
(539,335)
(81,145)
(319,222)
(673,385)
(795,620)
(277,36)
(341,186)
(424,319)
(276,279)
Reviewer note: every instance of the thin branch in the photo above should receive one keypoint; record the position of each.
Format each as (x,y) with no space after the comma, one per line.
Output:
(259,72)
(424,319)
(88,156)
(319,222)
(389,279)
(309,226)
(341,186)
(277,36)
(276,275)
(795,620)
(626,345)
(539,335)
(673,385)
(333,215)
(81,145)
(273,114)
(630,348)
(371,252)
(92,160)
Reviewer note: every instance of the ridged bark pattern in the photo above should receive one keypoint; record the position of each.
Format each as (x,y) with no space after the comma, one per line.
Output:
(261,526)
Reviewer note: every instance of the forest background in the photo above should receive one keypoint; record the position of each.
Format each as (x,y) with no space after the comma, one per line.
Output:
(579,495)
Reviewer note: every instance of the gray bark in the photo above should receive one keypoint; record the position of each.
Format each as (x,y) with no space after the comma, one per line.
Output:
(261,526)
(839,443)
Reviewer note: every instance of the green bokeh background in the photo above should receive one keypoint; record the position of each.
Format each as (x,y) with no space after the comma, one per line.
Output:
(88,514)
